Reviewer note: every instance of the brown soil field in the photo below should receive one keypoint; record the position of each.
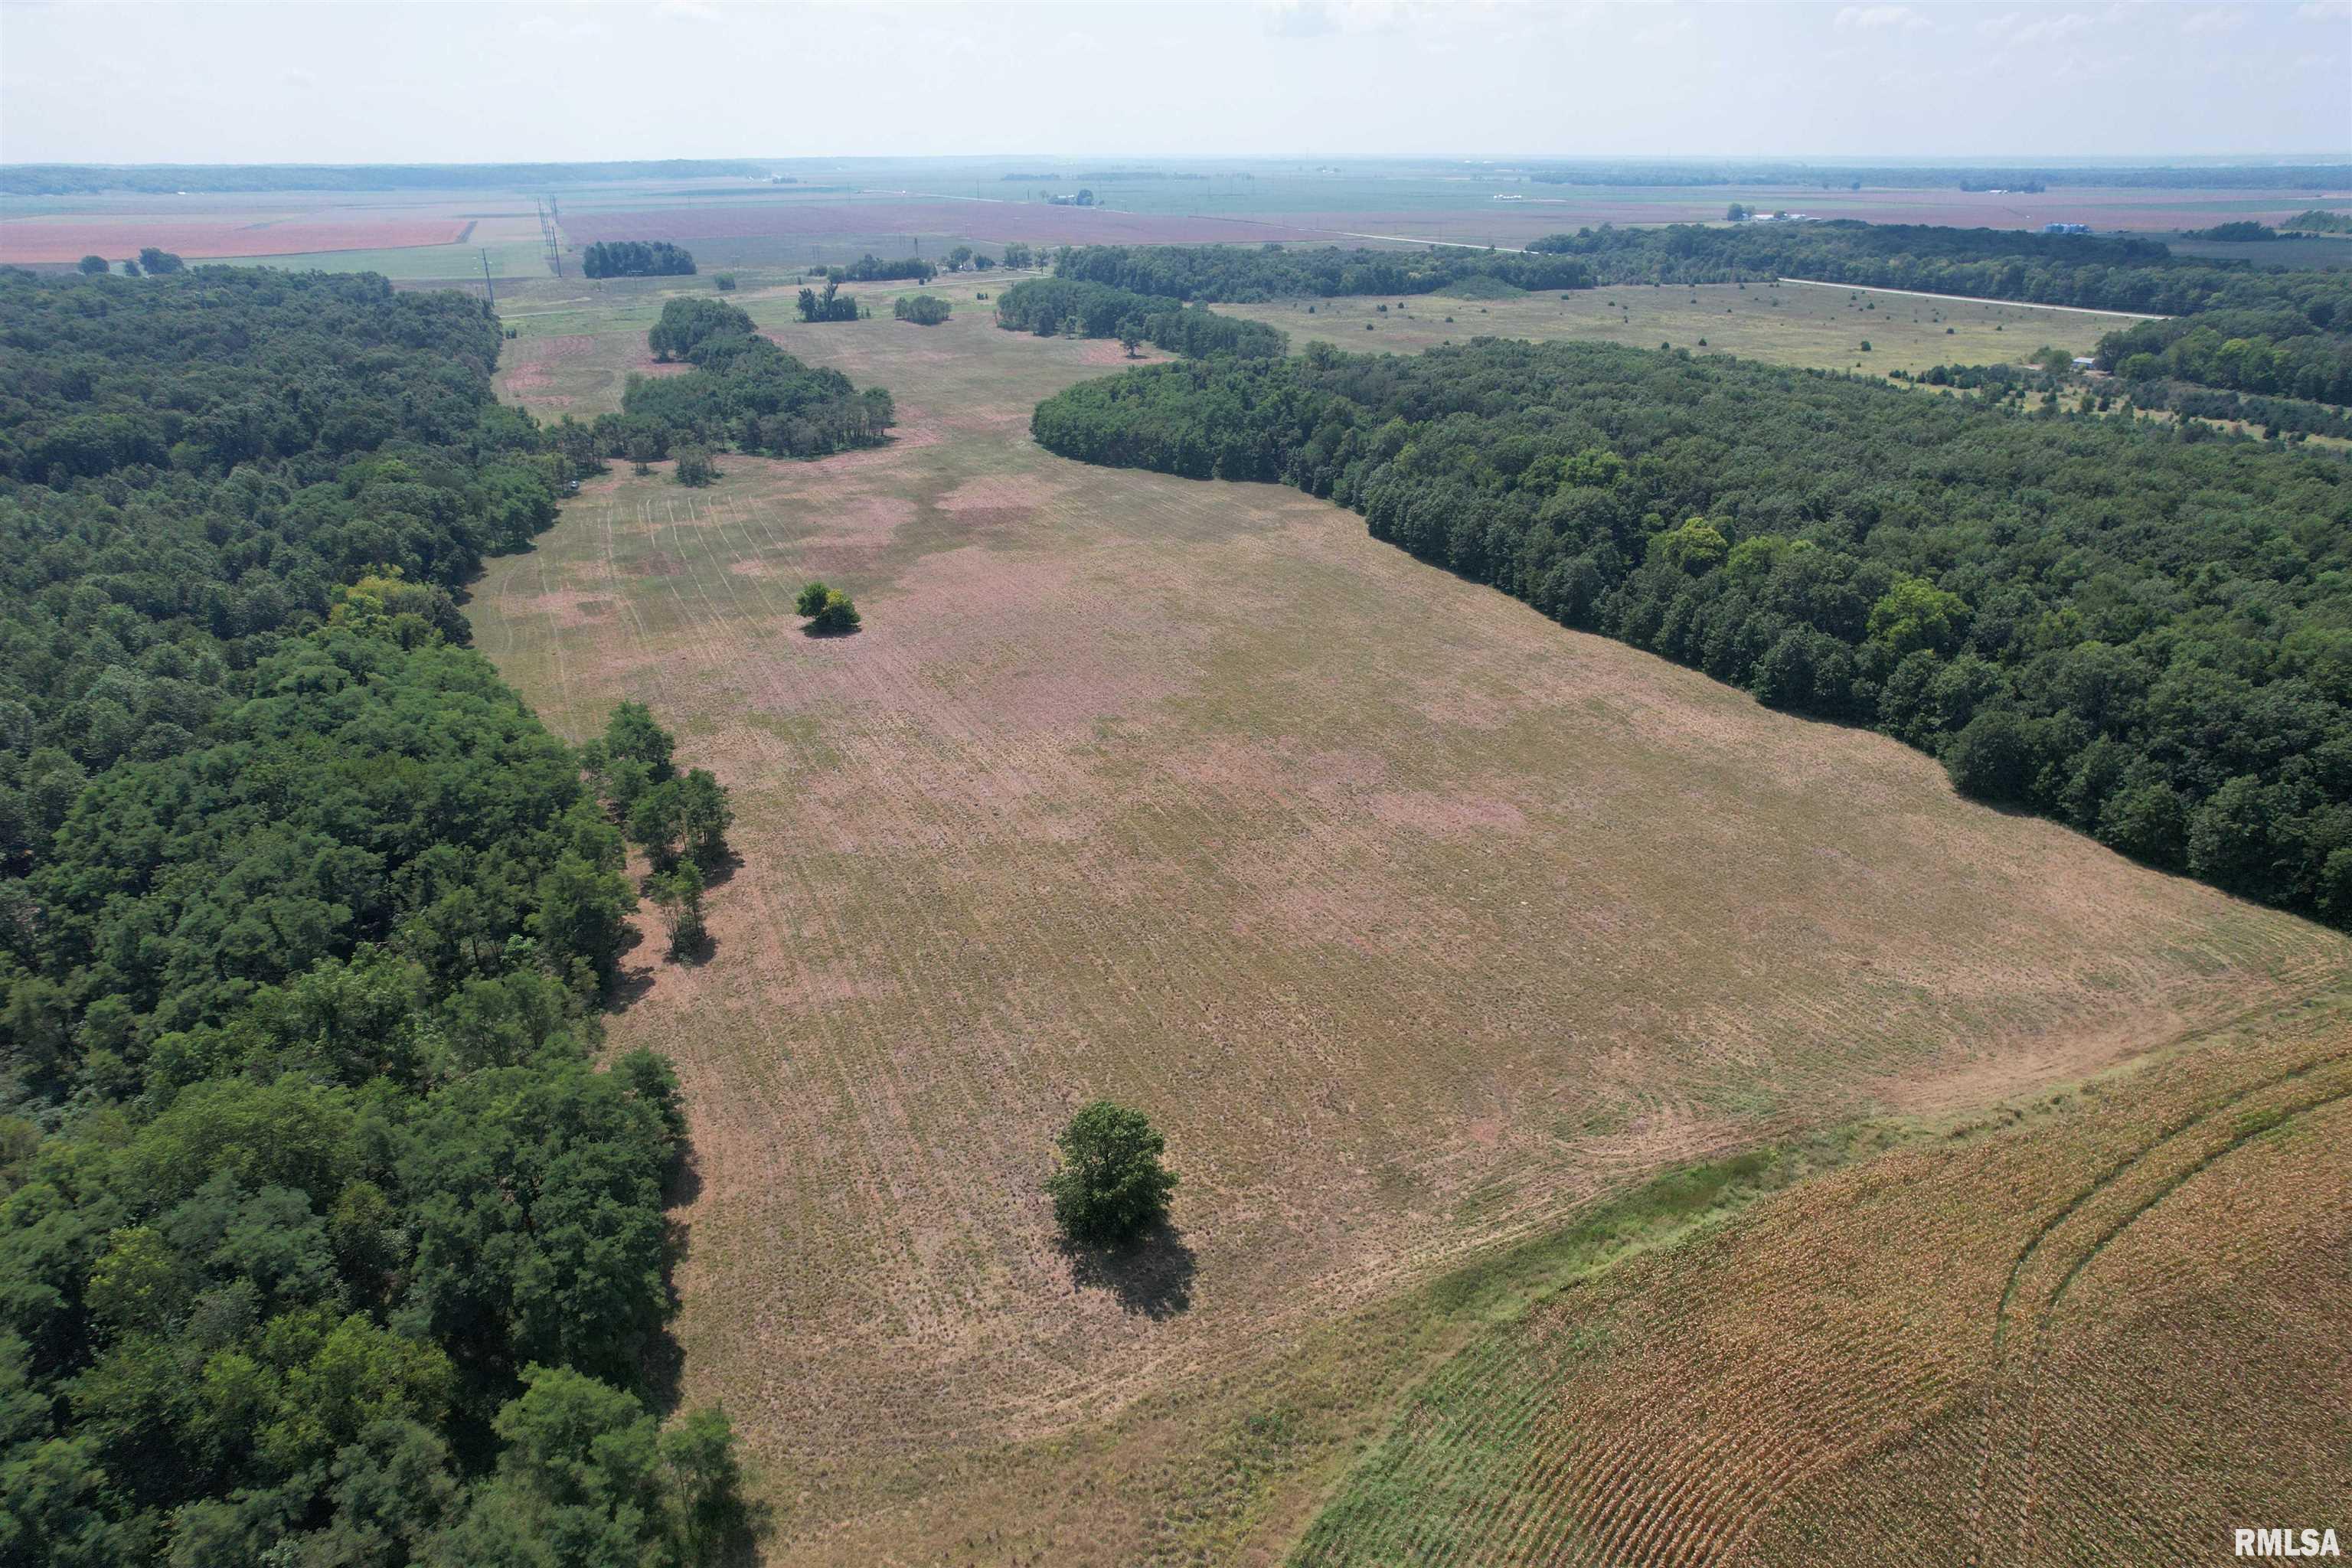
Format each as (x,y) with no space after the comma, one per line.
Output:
(1414,921)
(53,239)
(2106,1332)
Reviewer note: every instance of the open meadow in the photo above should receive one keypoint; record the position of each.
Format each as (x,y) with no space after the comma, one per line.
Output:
(1799,324)
(1420,924)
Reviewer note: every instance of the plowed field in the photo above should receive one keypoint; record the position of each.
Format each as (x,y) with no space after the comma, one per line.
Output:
(1415,921)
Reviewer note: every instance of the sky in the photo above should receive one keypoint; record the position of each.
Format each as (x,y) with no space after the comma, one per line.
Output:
(201,82)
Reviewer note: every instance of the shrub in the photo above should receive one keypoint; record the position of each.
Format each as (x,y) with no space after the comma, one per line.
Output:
(695,468)
(923,309)
(1110,1186)
(834,613)
(811,599)
(726,281)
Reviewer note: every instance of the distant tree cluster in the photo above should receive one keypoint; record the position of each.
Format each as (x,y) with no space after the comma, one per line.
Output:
(829,304)
(157,262)
(2181,688)
(1081,198)
(872,268)
(1944,176)
(636,259)
(1240,274)
(2240,233)
(1050,306)
(923,309)
(2317,220)
(744,392)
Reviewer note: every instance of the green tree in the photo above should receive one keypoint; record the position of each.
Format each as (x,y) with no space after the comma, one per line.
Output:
(1111,1185)
(725,280)
(835,615)
(158,262)
(811,598)
(1130,334)
(678,895)
(632,732)
(695,470)
(704,818)
(91,266)
(1914,614)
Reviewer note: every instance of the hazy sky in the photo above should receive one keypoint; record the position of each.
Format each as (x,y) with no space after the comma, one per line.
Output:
(453,81)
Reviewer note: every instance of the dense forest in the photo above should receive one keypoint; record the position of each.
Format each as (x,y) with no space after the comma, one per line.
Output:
(743,392)
(2144,636)
(1243,274)
(322,1239)
(636,259)
(1049,306)
(2278,352)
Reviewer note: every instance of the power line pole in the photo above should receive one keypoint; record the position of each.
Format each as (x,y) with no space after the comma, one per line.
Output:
(488,286)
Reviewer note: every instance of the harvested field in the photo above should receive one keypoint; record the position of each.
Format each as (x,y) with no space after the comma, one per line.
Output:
(1415,921)
(51,239)
(2105,1335)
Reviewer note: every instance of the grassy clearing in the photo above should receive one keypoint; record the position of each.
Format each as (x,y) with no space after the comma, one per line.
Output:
(1418,923)
(1816,329)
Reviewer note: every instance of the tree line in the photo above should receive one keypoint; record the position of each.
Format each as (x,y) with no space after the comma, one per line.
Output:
(1051,306)
(872,268)
(2141,634)
(636,259)
(2090,271)
(322,1238)
(743,392)
(1243,274)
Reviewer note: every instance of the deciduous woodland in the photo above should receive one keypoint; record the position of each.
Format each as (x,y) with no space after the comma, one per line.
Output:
(743,392)
(320,1237)
(2235,325)
(1048,305)
(2142,636)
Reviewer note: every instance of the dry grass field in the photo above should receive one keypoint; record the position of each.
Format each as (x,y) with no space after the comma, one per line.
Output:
(1787,324)
(2106,1332)
(1418,923)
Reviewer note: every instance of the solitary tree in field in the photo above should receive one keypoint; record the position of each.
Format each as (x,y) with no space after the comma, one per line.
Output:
(695,468)
(812,598)
(1110,1186)
(156,259)
(91,266)
(643,450)
(1131,332)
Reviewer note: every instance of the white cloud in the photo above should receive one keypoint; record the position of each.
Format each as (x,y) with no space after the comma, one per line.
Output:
(2212,19)
(2324,11)
(1881,16)
(2013,28)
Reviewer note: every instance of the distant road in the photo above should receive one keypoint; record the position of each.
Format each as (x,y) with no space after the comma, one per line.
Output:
(1974,299)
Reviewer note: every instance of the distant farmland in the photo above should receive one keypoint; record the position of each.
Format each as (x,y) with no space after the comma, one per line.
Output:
(1419,923)
(69,238)
(794,220)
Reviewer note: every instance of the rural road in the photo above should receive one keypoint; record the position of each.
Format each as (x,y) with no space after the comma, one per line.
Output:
(1974,299)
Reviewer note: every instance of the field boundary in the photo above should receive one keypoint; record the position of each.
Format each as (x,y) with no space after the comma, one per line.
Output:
(1977,300)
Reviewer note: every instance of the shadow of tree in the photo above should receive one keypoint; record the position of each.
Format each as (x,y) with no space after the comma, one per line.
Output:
(1152,1275)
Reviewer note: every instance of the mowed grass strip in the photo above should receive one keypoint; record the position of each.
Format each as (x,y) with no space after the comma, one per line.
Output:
(1415,921)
